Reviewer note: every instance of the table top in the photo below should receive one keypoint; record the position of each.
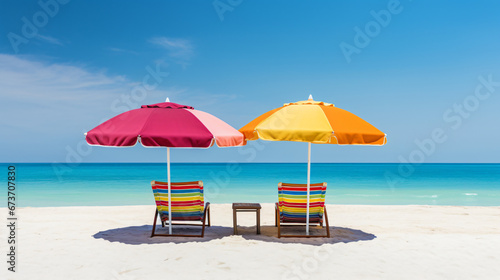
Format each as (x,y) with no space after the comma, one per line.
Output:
(246,206)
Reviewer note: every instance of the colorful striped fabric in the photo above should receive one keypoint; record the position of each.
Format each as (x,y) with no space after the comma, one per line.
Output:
(187,200)
(293,202)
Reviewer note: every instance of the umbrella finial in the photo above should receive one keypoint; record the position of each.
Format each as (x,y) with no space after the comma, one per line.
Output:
(168,100)
(310,97)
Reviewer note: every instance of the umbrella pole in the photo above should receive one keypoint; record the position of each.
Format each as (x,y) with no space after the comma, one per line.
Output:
(169,193)
(308,186)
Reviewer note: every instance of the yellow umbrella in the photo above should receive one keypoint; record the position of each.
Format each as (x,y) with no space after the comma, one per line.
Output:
(313,122)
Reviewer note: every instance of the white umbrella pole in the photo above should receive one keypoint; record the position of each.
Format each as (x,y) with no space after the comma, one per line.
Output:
(308,187)
(169,194)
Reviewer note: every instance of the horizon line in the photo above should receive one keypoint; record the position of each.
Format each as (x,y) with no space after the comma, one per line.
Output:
(228,162)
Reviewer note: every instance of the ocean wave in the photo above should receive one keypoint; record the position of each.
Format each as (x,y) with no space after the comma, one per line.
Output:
(470,193)
(428,196)
(370,195)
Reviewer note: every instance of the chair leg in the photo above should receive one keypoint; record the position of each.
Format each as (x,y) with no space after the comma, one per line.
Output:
(203,226)
(154,223)
(279,229)
(208,216)
(207,209)
(327,225)
(275,216)
(205,213)
(278,222)
(258,221)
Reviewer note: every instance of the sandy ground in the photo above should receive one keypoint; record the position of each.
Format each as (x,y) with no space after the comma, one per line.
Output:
(368,242)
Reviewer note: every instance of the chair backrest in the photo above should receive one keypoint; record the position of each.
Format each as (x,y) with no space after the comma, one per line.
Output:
(293,202)
(187,200)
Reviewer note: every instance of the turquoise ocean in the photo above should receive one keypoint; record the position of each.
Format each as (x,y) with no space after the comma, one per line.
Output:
(107,184)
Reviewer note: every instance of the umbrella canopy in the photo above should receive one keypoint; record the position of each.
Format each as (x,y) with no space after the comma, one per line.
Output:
(165,124)
(313,122)
(168,125)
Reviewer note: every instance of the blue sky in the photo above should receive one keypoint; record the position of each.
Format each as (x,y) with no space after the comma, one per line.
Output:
(413,69)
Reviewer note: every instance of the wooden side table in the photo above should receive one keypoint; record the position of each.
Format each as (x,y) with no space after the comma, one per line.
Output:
(246,207)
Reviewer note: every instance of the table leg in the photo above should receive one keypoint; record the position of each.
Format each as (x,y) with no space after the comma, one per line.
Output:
(235,231)
(258,221)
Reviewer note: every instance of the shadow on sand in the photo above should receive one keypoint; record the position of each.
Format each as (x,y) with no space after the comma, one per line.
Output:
(136,235)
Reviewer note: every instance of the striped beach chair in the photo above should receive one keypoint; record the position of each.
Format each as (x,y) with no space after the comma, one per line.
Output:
(292,206)
(187,205)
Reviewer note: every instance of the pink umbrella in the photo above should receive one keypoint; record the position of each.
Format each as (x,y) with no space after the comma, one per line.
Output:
(168,125)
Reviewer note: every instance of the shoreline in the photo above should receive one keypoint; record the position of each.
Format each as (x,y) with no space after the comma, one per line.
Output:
(269,203)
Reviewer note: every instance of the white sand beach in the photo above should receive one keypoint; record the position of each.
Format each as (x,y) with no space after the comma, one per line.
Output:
(368,242)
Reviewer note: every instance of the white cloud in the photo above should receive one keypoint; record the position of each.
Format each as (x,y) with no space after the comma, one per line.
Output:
(62,99)
(177,48)
(49,39)
(26,79)
(118,50)
(46,107)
